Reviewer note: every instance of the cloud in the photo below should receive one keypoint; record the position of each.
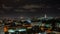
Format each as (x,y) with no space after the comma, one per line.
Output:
(30,6)
(2,12)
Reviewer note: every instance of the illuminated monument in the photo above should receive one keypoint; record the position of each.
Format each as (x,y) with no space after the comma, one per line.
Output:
(45,16)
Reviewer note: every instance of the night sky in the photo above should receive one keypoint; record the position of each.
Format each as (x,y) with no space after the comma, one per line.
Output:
(29,7)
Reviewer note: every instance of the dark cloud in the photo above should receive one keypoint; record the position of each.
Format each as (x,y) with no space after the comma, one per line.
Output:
(30,7)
